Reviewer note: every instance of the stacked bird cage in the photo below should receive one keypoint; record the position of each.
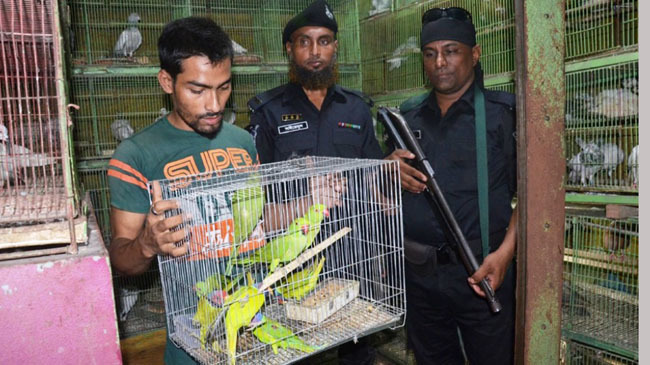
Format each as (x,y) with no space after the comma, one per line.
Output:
(272,274)
(576,353)
(36,180)
(601,283)
(596,26)
(390,40)
(602,128)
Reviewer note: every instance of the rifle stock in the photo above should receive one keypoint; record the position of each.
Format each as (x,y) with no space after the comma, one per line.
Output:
(404,138)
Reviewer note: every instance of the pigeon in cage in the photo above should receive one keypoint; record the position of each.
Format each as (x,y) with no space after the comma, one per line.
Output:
(633,166)
(237,48)
(618,103)
(161,114)
(592,159)
(400,54)
(130,39)
(584,164)
(127,298)
(379,6)
(14,158)
(121,129)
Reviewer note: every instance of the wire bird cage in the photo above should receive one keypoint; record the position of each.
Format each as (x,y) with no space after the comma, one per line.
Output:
(36,182)
(269,297)
(596,26)
(254,25)
(576,353)
(602,128)
(601,286)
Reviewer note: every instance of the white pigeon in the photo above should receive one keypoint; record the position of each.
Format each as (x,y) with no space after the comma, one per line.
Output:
(400,54)
(127,299)
(14,157)
(238,49)
(130,38)
(379,6)
(618,103)
(121,129)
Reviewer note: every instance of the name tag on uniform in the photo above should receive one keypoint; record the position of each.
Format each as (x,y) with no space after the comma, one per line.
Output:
(293,127)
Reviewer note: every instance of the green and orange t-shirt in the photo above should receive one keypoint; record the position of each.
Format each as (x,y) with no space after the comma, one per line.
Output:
(162,151)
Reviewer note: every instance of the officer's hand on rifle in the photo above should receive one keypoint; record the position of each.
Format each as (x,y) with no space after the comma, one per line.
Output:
(493,268)
(412,179)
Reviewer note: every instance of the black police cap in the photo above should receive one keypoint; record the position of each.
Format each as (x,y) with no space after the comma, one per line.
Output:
(319,14)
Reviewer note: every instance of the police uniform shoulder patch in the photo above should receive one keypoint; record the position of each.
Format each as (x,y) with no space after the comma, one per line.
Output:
(367,99)
(412,102)
(261,99)
(501,97)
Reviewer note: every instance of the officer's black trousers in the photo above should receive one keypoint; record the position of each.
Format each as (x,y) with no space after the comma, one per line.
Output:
(439,301)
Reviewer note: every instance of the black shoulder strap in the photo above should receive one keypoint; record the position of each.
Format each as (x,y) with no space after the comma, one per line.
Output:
(259,100)
(367,99)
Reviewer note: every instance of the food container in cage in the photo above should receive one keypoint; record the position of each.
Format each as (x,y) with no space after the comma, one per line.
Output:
(328,297)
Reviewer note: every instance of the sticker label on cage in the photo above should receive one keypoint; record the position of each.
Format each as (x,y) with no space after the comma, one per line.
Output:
(293,127)
(212,227)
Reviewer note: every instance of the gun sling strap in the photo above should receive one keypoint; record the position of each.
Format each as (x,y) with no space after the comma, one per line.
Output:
(482,168)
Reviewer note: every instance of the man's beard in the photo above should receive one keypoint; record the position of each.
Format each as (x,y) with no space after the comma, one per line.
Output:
(194,123)
(314,80)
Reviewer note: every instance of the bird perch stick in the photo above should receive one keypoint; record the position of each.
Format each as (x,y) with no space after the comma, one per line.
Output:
(288,268)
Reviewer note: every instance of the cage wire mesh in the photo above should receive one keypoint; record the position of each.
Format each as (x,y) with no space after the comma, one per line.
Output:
(601,286)
(390,41)
(576,353)
(255,26)
(273,213)
(602,128)
(596,26)
(112,108)
(34,160)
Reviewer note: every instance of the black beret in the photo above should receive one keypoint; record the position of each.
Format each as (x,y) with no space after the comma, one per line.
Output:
(319,13)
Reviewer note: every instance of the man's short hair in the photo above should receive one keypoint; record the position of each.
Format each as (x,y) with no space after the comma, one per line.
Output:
(192,36)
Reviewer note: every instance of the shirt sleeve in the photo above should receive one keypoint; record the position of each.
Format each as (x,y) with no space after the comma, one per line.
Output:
(263,136)
(127,183)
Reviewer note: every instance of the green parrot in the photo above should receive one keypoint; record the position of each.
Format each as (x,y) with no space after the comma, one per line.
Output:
(302,282)
(205,315)
(247,206)
(276,335)
(242,306)
(299,235)
(216,282)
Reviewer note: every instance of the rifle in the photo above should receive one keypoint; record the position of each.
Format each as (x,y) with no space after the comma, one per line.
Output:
(404,138)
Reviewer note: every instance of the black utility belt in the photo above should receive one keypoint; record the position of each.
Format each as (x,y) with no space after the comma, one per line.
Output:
(443,253)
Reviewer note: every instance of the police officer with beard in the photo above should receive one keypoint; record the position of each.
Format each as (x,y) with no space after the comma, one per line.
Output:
(314,116)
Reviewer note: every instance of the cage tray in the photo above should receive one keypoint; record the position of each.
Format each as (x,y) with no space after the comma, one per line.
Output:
(328,297)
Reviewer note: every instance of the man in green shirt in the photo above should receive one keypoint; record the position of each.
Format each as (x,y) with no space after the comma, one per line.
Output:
(195,61)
